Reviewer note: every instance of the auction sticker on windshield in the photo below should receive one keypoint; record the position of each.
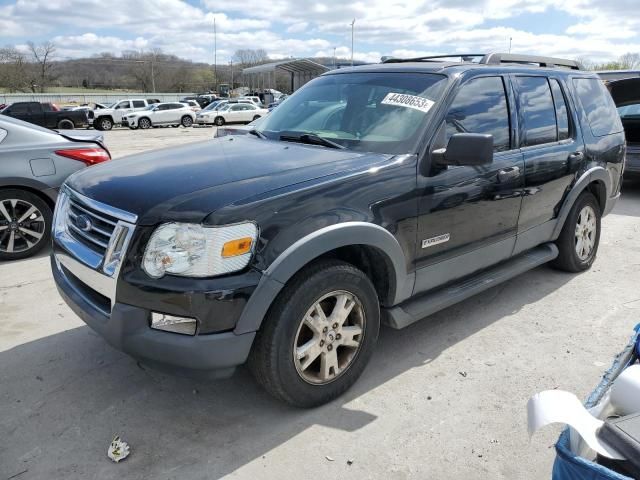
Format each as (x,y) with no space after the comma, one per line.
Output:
(408,101)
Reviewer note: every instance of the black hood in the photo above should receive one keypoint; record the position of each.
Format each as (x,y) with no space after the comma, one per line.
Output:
(187,183)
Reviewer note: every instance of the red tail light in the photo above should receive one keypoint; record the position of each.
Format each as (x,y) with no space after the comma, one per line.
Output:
(89,156)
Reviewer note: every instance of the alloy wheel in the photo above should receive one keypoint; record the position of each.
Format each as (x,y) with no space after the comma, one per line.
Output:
(329,337)
(22,225)
(586,229)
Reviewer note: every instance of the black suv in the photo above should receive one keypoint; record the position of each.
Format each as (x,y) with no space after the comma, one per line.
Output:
(380,193)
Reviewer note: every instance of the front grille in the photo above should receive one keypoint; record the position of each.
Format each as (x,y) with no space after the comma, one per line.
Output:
(90,227)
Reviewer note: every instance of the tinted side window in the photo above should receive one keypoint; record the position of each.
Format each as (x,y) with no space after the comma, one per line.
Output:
(480,106)
(536,111)
(562,115)
(19,108)
(138,104)
(601,112)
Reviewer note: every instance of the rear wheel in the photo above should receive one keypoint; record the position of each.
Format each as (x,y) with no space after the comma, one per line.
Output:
(219,121)
(318,336)
(65,124)
(578,242)
(25,224)
(186,121)
(144,123)
(256,117)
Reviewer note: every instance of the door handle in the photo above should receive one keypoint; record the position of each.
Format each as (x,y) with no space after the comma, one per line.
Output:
(508,173)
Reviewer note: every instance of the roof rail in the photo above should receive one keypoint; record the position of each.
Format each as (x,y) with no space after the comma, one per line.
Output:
(494,59)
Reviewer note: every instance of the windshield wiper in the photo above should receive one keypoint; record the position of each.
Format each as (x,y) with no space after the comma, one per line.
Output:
(312,139)
(258,134)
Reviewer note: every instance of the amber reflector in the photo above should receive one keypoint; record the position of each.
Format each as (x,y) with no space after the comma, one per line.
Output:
(236,247)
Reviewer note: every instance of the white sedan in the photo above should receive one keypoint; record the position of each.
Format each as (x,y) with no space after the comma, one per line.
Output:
(160,114)
(231,113)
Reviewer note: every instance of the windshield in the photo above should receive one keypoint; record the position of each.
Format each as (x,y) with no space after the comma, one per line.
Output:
(376,112)
(213,105)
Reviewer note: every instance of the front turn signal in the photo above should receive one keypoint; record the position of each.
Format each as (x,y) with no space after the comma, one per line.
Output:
(237,247)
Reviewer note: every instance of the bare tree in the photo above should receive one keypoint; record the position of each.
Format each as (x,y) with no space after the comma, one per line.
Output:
(43,57)
(629,61)
(13,70)
(248,56)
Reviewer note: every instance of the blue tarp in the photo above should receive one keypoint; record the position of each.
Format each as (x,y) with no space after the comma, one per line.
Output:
(568,465)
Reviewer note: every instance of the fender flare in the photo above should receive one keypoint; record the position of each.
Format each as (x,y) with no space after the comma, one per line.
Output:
(591,175)
(303,251)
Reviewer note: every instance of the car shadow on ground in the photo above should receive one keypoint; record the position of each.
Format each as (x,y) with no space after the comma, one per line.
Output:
(629,203)
(64,396)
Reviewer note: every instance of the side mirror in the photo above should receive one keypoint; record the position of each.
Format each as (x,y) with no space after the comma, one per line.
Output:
(465,149)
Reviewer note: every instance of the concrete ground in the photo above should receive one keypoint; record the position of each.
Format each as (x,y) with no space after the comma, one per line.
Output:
(444,398)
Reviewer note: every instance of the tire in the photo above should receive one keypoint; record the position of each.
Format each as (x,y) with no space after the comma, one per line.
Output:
(255,118)
(580,232)
(186,121)
(23,239)
(133,128)
(103,123)
(219,121)
(144,123)
(301,381)
(65,124)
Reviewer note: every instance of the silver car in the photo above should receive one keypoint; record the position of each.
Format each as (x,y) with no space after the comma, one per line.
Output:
(34,162)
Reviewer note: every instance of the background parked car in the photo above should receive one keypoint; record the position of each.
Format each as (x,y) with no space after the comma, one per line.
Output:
(160,114)
(106,118)
(208,115)
(256,100)
(35,163)
(227,130)
(193,105)
(624,92)
(47,115)
(238,113)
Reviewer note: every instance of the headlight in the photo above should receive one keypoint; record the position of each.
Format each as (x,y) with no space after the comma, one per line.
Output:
(191,250)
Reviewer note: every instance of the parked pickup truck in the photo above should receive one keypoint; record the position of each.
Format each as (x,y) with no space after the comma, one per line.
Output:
(47,115)
(106,118)
(380,193)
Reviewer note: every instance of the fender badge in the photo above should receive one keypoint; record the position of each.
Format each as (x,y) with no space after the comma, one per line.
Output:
(430,242)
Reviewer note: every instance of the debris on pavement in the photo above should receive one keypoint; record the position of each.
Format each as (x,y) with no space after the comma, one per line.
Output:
(331,459)
(118,449)
(463,373)
(350,461)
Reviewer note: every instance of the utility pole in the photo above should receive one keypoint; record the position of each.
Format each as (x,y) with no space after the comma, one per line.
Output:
(510,39)
(352,24)
(231,89)
(215,53)
(153,74)
(334,57)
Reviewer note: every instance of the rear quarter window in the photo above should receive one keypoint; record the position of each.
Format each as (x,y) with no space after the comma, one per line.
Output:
(598,106)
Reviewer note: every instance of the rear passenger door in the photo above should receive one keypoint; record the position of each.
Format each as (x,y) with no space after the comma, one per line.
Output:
(553,149)
(468,215)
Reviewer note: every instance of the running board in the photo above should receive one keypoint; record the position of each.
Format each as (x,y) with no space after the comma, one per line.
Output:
(418,308)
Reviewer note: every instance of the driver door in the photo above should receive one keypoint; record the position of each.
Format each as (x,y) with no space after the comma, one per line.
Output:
(468,216)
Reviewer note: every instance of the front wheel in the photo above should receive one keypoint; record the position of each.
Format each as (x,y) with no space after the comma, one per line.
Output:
(578,242)
(318,336)
(25,224)
(144,123)
(104,124)
(186,121)
(219,121)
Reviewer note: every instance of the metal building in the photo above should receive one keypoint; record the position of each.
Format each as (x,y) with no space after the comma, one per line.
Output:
(300,71)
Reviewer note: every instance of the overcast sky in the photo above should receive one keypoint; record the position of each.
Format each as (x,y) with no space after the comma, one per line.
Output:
(596,29)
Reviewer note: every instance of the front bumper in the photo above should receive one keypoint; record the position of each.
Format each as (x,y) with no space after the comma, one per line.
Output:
(127,329)
(129,122)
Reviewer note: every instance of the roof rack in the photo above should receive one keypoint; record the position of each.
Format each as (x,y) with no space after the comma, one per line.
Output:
(495,59)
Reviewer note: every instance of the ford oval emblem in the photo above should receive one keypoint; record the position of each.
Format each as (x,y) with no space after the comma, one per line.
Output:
(83,222)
